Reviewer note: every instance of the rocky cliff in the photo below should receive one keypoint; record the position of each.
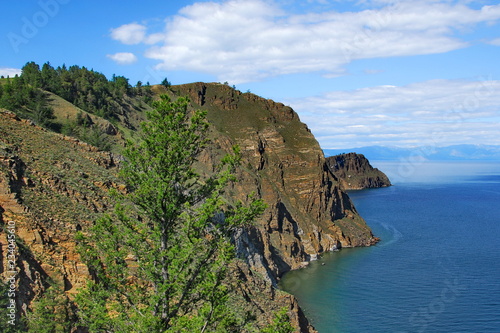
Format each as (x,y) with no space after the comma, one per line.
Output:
(355,172)
(53,185)
(50,186)
(308,212)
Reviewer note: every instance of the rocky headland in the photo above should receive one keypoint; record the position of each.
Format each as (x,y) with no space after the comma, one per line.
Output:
(53,185)
(355,172)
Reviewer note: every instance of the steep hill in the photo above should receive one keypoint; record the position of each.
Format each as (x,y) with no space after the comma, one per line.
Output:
(50,186)
(355,172)
(53,185)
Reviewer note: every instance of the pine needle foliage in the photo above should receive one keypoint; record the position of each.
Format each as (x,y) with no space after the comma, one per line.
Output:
(159,261)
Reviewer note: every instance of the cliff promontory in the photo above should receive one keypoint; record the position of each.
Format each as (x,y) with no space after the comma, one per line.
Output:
(53,185)
(355,172)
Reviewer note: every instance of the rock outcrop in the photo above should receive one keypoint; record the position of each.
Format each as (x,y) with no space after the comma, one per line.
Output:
(355,172)
(308,212)
(52,186)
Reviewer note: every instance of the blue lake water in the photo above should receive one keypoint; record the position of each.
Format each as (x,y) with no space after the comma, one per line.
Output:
(437,268)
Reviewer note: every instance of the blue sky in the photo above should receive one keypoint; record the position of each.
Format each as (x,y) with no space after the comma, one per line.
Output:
(368,72)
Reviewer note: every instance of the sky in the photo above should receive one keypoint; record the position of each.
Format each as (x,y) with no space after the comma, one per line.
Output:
(359,73)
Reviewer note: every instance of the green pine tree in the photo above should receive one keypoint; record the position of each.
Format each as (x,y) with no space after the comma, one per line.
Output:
(51,313)
(160,260)
(281,323)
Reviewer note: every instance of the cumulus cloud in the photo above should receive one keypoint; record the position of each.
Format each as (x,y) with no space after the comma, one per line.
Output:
(129,34)
(123,58)
(9,72)
(248,40)
(437,112)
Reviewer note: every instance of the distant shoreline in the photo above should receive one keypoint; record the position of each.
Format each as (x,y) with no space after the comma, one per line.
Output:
(465,152)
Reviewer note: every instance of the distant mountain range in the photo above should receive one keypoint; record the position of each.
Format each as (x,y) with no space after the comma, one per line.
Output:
(449,153)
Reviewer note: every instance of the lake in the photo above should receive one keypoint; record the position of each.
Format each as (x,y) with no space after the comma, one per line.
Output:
(437,268)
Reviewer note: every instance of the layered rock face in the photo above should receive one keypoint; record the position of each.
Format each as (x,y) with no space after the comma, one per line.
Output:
(355,172)
(52,186)
(308,213)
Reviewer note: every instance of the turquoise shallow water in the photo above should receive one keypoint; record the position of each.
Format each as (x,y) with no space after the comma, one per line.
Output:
(437,268)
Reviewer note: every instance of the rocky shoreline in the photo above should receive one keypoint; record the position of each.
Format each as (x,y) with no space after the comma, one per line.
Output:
(308,211)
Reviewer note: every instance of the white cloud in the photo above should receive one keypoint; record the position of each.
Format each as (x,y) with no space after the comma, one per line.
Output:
(373,71)
(495,42)
(129,34)
(248,40)
(123,58)
(11,72)
(437,112)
